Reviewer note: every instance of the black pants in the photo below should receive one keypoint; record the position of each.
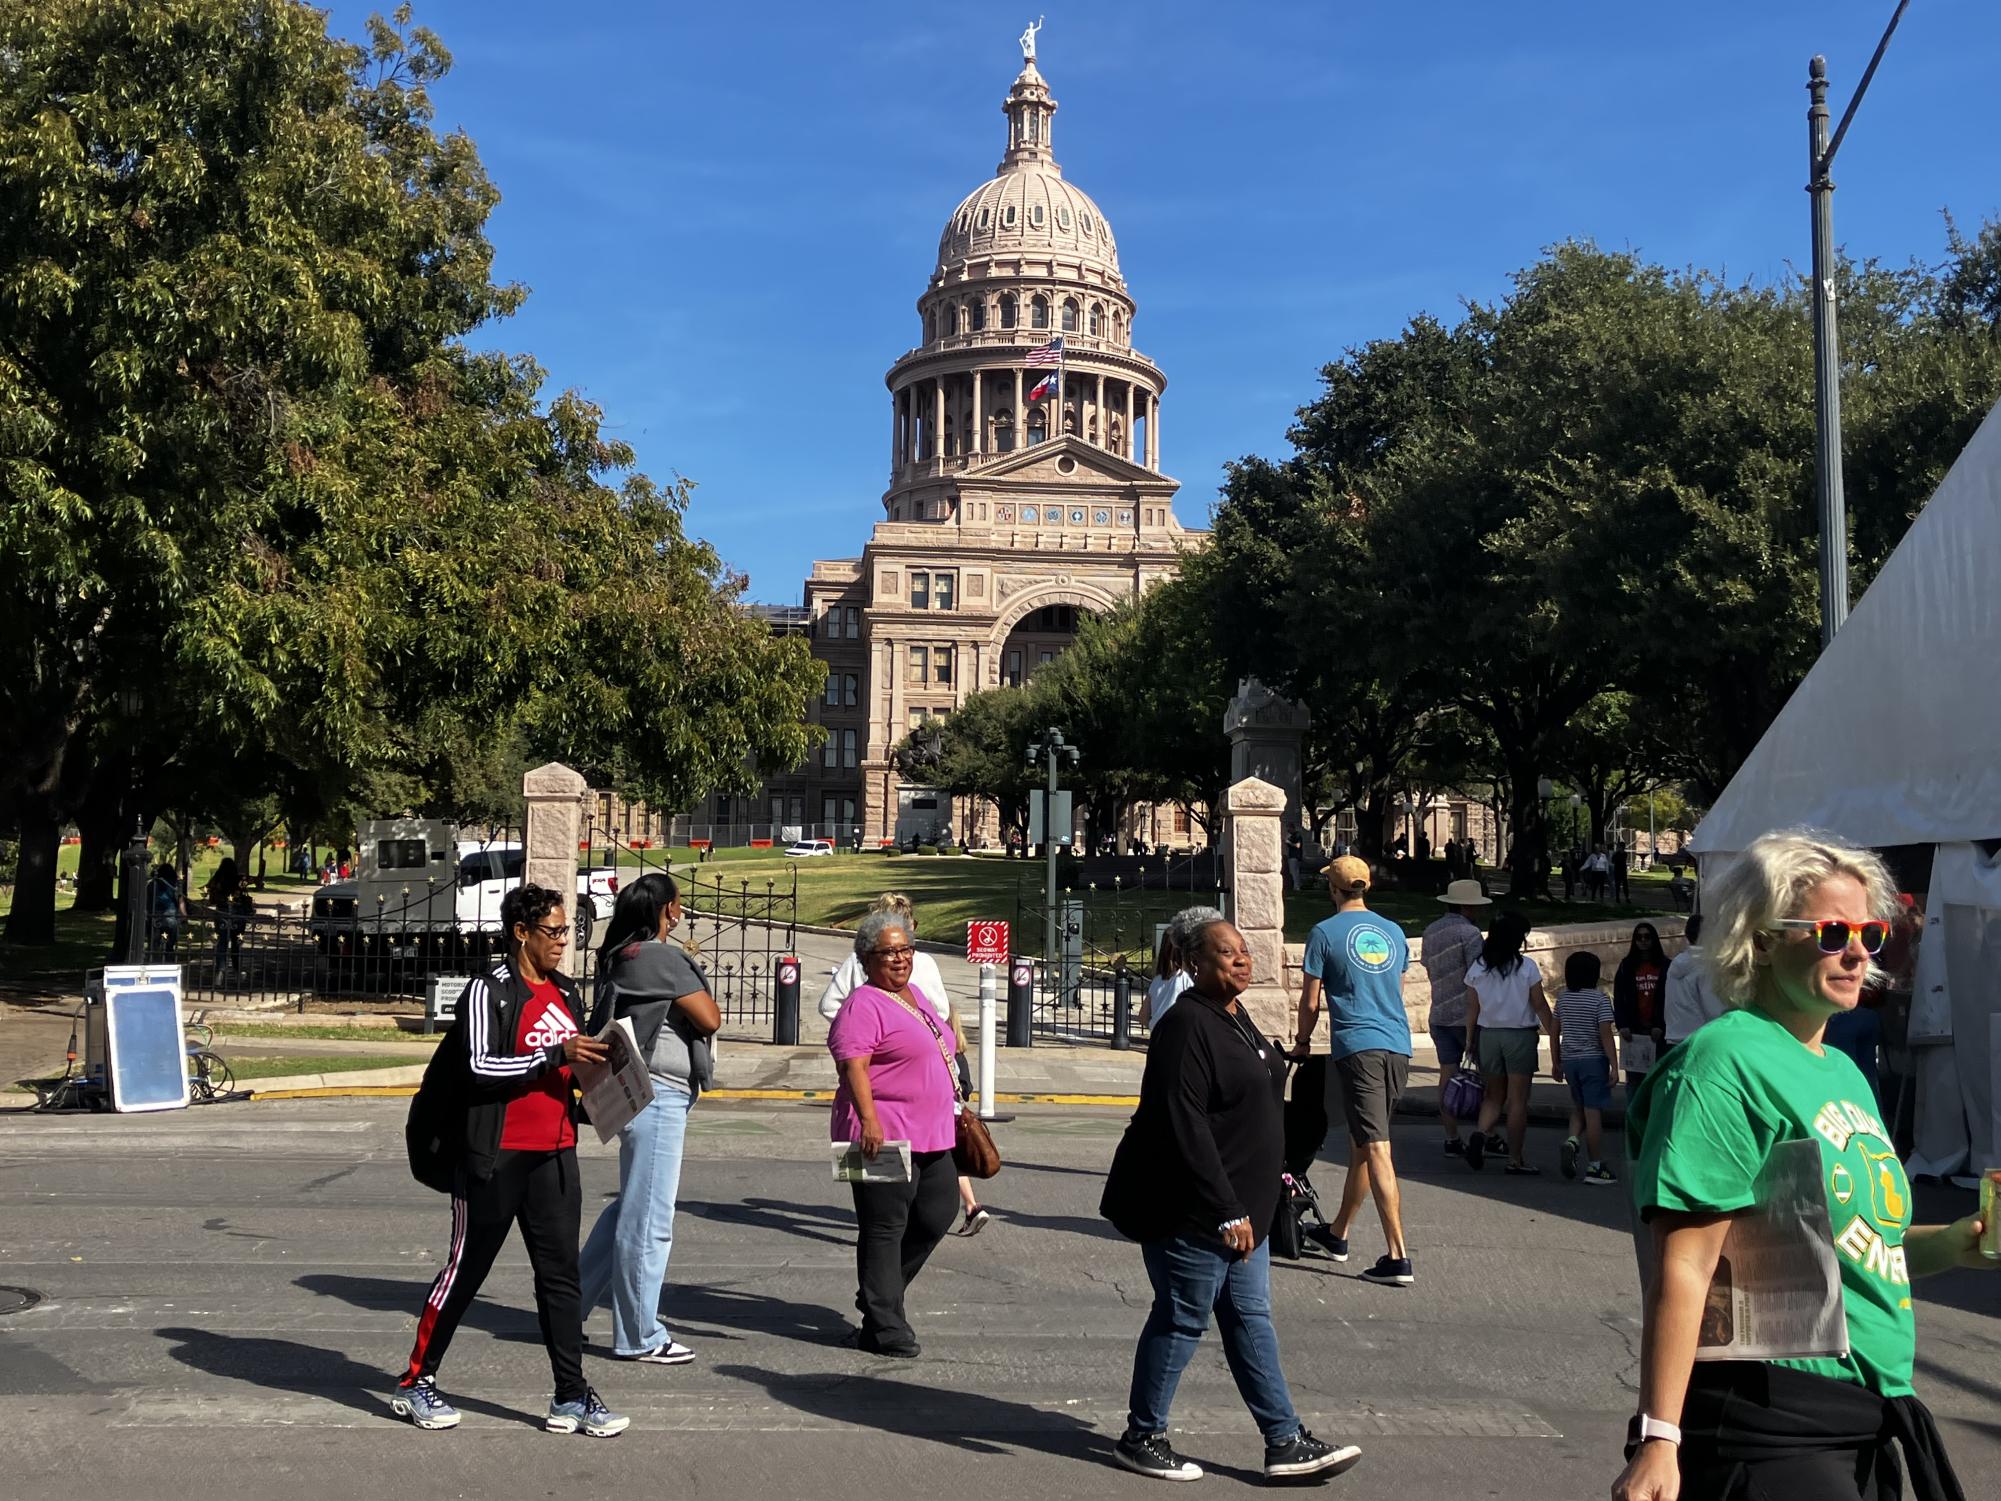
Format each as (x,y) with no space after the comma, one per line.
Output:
(538,1190)
(899,1225)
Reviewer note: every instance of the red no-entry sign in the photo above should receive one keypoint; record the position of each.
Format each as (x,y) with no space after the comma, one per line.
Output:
(986,943)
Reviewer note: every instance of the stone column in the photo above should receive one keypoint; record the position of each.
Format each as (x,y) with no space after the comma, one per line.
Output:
(1129,420)
(1019,420)
(1098,412)
(979,442)
(1253,851)
(938,417)
(1153,431)
(554,795)
(895,431)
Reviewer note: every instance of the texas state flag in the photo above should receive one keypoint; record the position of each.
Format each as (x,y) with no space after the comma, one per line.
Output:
(1045,387)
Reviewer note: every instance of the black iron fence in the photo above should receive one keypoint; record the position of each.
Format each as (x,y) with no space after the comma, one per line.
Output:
(1094,952)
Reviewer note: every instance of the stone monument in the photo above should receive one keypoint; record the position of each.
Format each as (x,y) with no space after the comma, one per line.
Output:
(1267,736)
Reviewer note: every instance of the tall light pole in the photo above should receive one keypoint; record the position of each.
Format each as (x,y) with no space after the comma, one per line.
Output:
(1052,753)
(1830,502)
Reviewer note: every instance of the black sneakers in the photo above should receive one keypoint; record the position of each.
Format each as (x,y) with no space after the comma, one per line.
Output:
(1149,1454)
(1393,1271)
(1307,1455)
(1324,1237)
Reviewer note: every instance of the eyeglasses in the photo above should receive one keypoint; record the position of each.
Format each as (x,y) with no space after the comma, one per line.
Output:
(893,953)
(1833,935)
(552,930)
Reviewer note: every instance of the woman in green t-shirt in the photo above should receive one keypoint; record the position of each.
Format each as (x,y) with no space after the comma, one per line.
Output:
(1788,945)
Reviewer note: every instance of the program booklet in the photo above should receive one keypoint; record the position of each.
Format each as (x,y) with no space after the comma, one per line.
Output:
(891,1164)
(1776,1294)
(619,1088)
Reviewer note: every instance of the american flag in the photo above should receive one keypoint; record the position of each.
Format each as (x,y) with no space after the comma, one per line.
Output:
(1049,354)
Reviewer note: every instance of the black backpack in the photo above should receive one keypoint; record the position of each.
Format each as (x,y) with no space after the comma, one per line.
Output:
(435,1134)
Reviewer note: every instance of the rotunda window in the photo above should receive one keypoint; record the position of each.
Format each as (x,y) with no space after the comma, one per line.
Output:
(1084,222)
(930,326)
(985,217)
(1069,315)
(1007,310)
(1063,218)
(1038,426)
(1035,216)
(965,219)
(1038,312)
(1007,217)
(1097,319)
(1066,465)
(979,311)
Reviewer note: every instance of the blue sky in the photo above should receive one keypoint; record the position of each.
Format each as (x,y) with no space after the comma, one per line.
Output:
(725,216)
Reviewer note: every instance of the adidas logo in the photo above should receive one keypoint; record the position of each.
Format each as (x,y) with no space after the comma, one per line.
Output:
(554,1027)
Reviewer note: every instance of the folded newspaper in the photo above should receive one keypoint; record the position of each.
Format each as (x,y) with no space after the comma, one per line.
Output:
(619,1088)
(1776,1293)
(891,1163)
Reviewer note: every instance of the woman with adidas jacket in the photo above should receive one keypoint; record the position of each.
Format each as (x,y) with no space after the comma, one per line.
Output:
(493,1122)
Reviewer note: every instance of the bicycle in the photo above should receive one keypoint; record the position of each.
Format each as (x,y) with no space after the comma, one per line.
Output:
(209,1075)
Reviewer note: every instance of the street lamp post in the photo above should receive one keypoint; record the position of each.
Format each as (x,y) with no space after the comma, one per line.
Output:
(1829,500)
(133,949)
(1052,753)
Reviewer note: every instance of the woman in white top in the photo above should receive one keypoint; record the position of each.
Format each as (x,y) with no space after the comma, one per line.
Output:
(927,981)
(1504,1004)
(1171,975)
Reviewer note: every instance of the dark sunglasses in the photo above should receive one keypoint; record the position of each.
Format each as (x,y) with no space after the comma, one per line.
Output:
(1833,935)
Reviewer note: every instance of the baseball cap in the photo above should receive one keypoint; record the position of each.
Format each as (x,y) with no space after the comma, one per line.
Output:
(1348,874)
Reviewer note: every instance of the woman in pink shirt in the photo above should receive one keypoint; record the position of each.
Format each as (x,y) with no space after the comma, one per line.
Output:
(896,1085)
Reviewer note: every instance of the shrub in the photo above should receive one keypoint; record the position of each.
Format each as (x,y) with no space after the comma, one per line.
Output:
(927,849)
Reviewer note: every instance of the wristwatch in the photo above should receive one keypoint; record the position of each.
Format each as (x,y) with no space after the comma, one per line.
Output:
(1652,1427)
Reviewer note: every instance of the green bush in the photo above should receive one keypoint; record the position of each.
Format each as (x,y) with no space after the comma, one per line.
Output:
(948,849)
(927,849)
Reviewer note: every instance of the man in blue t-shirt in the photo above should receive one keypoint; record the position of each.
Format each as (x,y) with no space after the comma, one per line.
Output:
(1357,959)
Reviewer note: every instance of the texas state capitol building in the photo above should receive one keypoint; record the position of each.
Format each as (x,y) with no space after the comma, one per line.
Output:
(1004,517)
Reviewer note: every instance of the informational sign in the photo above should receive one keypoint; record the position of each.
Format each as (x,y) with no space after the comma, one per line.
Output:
(1058,823)
(441,998)
(986,942)
(136,1036)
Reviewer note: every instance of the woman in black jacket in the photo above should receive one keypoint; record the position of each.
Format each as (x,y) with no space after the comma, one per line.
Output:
(1639,1002)
(1196,1181)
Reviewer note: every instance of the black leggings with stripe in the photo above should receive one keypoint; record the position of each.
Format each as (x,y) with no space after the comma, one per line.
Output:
(539,1191)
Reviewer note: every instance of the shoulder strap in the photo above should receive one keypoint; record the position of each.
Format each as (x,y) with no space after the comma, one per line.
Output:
(937,1036)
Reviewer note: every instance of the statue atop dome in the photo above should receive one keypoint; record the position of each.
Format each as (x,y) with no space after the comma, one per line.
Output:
(1027,40)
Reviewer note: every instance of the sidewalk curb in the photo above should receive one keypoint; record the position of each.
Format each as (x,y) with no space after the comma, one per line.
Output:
(797,1096)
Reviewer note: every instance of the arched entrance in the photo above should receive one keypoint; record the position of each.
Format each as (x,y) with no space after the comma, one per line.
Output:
(1037,626)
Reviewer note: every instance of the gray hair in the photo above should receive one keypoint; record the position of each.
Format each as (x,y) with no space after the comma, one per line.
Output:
(1768,882)
(1186,926)
(873,926)
(1198,935)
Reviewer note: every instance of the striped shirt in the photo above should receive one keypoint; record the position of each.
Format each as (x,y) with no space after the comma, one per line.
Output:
(1578,1016)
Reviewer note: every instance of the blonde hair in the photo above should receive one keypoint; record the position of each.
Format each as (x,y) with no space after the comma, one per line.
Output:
(1768,882)
(897,902)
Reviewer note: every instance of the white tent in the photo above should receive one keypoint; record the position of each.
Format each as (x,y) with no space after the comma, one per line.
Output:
(1894,738)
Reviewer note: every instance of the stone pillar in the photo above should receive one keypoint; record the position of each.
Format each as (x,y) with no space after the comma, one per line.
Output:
(555,798)
(1254,855)
(1017,417)
(895,431)
(1153,431)
(1265,734)
(1129,420)
(979,439)
(1098,414)
(938,417)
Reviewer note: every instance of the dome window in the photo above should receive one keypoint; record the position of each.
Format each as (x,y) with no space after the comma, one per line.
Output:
(1063,219)
(979,313)
(1069,315)
(1007,217)
(1097,319)
(1084,222)
(965,219)
(1035,216)
(1007,310)
(1038,312)
(986,217)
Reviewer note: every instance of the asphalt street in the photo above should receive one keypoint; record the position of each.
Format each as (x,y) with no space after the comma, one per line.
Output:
(221,1297)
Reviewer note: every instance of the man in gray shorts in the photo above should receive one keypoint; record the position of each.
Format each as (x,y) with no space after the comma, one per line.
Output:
(1357,960)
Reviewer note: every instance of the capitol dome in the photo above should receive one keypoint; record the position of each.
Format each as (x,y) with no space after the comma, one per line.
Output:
(1027,207)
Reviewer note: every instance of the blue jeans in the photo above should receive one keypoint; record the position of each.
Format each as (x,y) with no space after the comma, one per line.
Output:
(1190,1279)
(628,1246)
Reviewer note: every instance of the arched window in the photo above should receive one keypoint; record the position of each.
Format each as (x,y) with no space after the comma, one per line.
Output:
(1004,433)
(1007,310)
(1038,427)
(1097,319)
(979,311)
(1070,419)
(930,326)
(1118,327)
(1069,315)
(1038,311)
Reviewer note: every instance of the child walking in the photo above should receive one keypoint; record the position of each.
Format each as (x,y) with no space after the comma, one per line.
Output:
(1587,1043)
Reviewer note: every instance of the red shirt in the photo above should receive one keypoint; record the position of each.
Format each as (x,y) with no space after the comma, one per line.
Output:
(1647,986)
(538,1119)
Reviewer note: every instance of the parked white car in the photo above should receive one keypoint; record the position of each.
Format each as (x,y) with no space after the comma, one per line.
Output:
(806,849)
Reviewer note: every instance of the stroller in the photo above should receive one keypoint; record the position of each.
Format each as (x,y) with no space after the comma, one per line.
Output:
(1292,1228)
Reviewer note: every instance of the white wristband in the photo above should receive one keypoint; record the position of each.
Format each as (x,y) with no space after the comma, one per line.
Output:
(1651,1427)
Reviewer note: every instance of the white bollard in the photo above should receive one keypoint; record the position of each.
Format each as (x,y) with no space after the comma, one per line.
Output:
(988,1006)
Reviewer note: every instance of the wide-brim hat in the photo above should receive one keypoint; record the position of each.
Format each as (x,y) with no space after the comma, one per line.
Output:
(1466,894)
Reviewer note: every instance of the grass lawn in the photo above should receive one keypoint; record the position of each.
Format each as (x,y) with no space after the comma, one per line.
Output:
(318,1063)
(262,1031)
